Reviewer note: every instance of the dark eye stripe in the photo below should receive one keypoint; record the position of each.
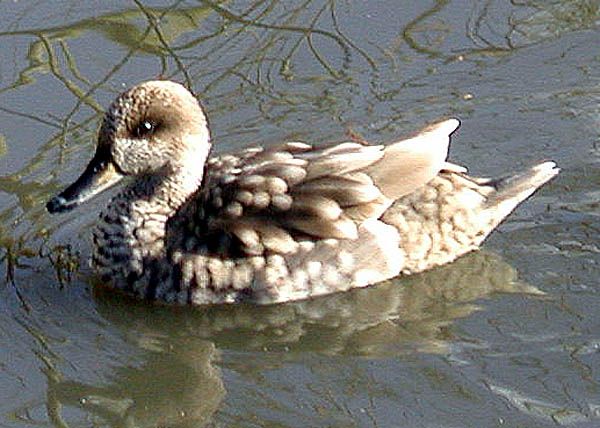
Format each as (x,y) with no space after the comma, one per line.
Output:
(144,129)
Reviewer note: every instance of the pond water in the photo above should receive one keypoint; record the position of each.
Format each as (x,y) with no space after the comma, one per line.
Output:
(506,337)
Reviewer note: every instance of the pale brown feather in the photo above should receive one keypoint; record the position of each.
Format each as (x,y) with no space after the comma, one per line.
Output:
(410,164)
(324,193)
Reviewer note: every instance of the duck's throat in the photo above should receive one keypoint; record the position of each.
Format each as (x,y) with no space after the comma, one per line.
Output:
(130,238)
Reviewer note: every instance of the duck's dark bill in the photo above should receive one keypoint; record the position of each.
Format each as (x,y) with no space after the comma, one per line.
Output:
(99,175)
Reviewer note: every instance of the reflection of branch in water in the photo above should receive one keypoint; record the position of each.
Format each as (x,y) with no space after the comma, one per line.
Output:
(530,22)
(475,33)
(117,27)
(551,19)
(153,23)
(307,33)
(55,69)
(416,24)
(350,42)
(309,41)
(28,116)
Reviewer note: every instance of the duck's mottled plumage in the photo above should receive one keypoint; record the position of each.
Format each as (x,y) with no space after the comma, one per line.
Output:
(281,223)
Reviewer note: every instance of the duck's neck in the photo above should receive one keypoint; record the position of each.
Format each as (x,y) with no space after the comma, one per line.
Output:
(133,226)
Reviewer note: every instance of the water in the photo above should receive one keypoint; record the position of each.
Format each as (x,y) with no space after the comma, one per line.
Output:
(507,337)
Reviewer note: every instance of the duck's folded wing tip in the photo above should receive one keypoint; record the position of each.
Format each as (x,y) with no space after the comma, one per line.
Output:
(446,126)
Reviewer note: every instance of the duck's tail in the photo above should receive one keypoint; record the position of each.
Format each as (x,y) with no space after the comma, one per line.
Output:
(455,212)
(511,190)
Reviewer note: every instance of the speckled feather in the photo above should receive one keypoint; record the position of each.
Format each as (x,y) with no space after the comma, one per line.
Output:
(283,223)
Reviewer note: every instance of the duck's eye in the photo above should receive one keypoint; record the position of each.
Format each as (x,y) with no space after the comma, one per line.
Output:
(144,129)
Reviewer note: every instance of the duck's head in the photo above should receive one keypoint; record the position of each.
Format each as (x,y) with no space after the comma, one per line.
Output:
(157,127)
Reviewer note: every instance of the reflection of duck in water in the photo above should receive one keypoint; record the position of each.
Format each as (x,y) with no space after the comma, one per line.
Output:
(176,380)
(373,321)
(179,387)
(277,224)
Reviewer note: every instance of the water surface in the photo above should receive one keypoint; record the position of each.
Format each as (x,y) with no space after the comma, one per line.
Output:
(507,337)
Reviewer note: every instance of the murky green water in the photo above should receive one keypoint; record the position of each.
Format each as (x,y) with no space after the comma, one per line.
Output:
(508,337)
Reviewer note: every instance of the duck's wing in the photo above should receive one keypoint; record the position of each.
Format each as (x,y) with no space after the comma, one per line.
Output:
(410,163)
(267,198)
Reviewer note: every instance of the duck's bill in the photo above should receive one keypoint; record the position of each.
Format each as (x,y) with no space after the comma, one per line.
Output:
(99,175)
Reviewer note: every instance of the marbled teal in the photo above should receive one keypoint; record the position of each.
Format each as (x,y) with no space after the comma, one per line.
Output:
(275,224)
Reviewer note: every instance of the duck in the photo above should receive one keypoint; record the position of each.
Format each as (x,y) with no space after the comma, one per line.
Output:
(273,224)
